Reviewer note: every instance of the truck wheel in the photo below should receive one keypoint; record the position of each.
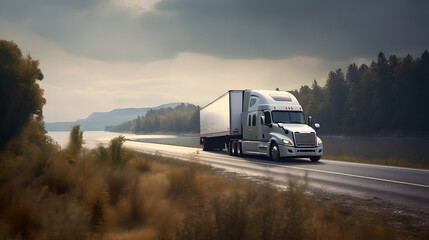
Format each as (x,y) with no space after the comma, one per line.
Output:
(274,152)
(234,148)
(239,149)
(315,159)
(230,148)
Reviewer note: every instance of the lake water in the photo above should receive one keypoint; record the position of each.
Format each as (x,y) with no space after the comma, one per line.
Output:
(414,149)
(93,138)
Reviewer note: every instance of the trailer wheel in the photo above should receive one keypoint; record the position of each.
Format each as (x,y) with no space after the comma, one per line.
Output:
(315,159)
(230,148)
(274,152)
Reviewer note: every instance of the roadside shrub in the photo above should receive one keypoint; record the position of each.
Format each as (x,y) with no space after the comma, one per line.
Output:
(183,182)
(143,165)
(117,181)
(75,140)
(60,176)
(115,153)
(266,203)
(63,218)
(198,222)
(97,199)
(101,153)
(231,216)
(136,202)
(23,218)
(294,212)
(130,210)
(117,150)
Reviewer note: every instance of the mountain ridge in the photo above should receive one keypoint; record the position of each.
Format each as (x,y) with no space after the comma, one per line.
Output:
(97,121)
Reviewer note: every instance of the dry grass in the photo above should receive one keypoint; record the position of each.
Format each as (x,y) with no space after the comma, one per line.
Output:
(385,161)
(153,197)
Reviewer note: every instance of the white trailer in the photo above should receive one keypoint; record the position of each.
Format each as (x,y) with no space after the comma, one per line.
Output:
(220,120)
(259,122)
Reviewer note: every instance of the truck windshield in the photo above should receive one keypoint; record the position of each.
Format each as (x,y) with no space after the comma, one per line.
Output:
(288,117)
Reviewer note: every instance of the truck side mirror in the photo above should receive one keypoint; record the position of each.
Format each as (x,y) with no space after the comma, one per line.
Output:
(316,126)
(264,122)
(310,121)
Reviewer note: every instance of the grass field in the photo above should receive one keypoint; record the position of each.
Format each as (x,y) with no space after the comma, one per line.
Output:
(114,193)
(397,162)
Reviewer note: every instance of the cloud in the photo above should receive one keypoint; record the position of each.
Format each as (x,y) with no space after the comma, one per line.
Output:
(76,86)
(138,5)
(231,29)
(98,55)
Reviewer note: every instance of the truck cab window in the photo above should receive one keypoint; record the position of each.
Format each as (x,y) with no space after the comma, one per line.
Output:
(250,116)
(252,102)
(254,120)
(267,118)
(288,117)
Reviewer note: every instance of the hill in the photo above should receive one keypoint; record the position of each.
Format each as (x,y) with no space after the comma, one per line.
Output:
(184,118)
(97,121)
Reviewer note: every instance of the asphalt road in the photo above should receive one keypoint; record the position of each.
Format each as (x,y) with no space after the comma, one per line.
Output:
(405,187)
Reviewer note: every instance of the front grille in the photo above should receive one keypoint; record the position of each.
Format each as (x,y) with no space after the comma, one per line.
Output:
(305,139)
(305,151)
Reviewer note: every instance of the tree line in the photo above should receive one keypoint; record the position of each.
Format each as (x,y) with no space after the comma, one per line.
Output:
(183,118)
(388,97)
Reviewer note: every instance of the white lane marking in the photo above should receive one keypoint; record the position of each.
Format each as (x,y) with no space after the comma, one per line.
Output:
(362,177)
(327,172)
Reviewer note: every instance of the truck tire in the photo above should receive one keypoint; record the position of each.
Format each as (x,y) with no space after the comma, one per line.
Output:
(230,147)
(315,159)
(274,152)
(234,148)
(239,149)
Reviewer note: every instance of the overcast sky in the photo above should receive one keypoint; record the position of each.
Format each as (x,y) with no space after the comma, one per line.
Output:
(98,55)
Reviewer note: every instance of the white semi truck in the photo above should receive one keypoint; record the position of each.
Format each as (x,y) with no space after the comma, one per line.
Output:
(259,122)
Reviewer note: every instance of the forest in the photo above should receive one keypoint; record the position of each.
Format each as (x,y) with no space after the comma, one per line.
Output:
(184,118)
(386,98)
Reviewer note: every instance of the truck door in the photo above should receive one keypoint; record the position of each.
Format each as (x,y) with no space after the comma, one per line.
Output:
(252,143)
(252,126)
(264,129)
(252,118)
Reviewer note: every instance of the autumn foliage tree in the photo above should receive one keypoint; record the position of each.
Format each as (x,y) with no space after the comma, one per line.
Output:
(21,98)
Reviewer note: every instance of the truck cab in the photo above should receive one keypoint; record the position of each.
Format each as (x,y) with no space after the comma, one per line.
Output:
(274,125)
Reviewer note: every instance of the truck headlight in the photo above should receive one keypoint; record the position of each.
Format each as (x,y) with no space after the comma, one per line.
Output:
(319,142)
(287,142)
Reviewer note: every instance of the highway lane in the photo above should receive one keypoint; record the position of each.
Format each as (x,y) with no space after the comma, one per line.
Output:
(405,187)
